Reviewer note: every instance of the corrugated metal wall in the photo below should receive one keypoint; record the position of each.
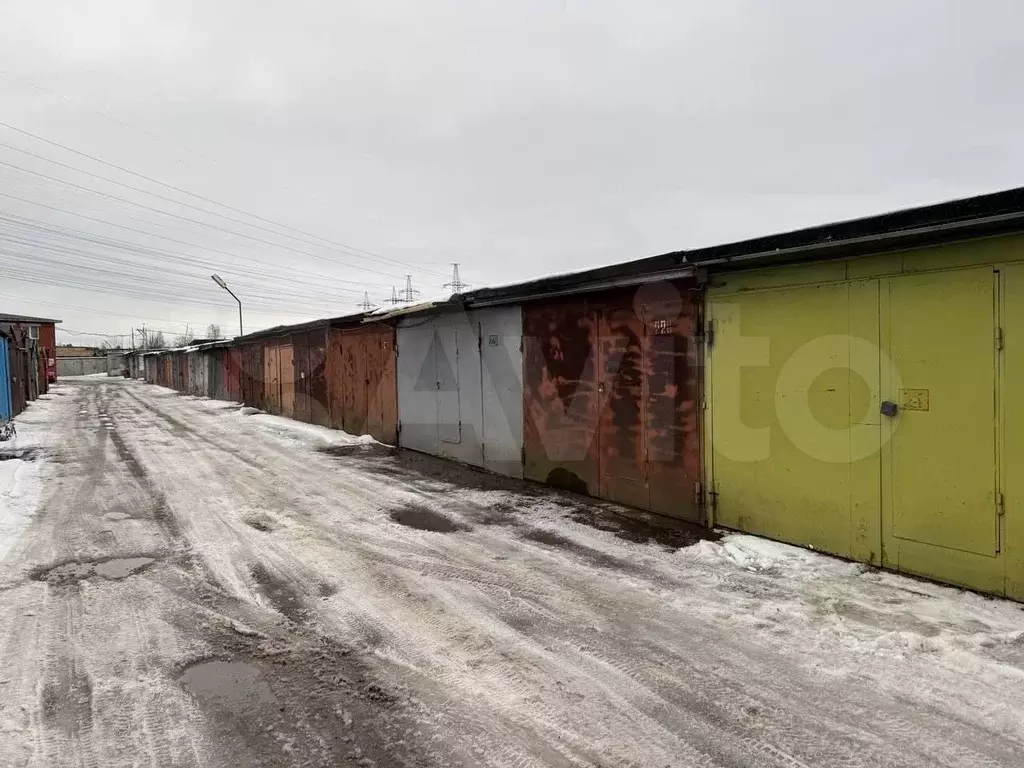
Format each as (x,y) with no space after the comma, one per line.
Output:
(460,387)
(360,382)
(612,393)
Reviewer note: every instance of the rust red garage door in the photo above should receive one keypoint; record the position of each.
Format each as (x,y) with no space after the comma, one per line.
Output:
(611,396)
(311,401)
(361,382)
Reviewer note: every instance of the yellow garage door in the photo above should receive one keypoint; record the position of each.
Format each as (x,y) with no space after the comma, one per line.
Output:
(940,478)
(794,422)
(862,418)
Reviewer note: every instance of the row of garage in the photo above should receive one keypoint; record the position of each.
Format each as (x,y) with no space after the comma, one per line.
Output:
(336,373)
(853,388)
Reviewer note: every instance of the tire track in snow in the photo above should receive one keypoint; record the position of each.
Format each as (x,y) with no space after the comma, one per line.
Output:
(681,685)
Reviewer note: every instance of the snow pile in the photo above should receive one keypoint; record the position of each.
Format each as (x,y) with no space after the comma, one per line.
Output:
(20,489)
(20,477)
(309,435)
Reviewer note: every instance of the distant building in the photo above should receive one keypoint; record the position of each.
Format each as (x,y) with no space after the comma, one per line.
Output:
(29,347)
(67,350)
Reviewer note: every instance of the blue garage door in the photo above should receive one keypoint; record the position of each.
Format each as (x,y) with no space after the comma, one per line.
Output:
(5,383)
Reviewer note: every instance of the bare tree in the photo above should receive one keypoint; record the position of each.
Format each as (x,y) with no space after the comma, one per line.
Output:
(213,331)
(153,340)
(186,338)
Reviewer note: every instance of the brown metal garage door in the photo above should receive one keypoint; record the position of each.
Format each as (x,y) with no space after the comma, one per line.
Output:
(611,398)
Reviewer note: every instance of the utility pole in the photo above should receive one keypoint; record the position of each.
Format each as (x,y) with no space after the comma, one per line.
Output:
(394,297)
(366,306)
(222,284)
(456,284)
(133,338)
(409,293)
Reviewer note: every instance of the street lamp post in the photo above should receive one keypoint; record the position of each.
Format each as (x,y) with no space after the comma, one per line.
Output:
(217,279)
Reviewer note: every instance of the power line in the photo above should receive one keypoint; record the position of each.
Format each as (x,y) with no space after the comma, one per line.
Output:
(113,335)
(171,200)
(104,114)
(60,235)
(126,201)
(161,237)
(345,247)
(104,313)
(92,263)
(121,291)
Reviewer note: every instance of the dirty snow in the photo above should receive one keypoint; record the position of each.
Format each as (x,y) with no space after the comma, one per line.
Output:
(403,611)
(19,497)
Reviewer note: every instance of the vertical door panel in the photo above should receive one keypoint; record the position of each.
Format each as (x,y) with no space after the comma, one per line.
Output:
(5,383)
(417,388)
(336,384)
(501,365)
(623,418)
(672,404)
(352,383)
(794,422)
(300,378)
(357,425)
(319,400)
(387,391)
(374,360)
(445,348)
(560,396)
(272,379)
(286,353)
(942,348)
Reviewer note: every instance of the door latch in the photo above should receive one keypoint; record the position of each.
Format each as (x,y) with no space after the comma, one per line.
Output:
(889,408)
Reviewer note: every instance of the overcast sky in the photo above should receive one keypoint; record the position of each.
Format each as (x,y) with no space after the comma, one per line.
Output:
(517,138)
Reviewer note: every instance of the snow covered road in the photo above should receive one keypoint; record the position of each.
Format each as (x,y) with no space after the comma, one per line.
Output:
(187,583)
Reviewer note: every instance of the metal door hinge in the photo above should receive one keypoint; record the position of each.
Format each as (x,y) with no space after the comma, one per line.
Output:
(698,493)
(1000,505)
(999,338)
(713,498)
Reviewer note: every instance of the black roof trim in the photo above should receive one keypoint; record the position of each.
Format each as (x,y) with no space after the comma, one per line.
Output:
(4,318)
(342,321)
(967,218)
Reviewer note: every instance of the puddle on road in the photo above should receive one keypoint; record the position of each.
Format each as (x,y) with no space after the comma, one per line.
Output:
(595,556)
(234,686)
(261,522)
(24,454)
(424,519)
(281,593)
(644,528)
(359,449)
(72,573)
(121,567)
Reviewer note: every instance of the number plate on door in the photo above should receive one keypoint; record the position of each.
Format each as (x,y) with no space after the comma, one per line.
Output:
(914,399)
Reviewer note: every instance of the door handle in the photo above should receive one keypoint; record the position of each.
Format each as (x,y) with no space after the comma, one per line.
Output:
(889,408)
